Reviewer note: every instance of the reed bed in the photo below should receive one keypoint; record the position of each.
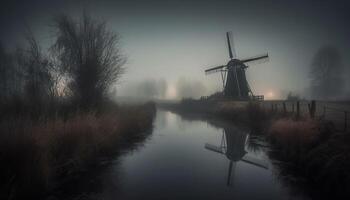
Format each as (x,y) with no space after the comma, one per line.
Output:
(36,155)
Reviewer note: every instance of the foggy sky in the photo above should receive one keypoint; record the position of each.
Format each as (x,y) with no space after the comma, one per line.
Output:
(176,40)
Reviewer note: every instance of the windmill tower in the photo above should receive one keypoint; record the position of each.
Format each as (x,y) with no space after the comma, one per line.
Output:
(234,81)
(233,145)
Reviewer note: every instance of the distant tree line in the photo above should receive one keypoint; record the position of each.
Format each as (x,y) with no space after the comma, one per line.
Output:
(186,88)
(80,67)
(327,74)
(147,89)
(292,97)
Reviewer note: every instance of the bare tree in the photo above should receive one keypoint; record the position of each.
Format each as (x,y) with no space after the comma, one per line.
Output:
(89,54)
(35,68)
(11,81)
(5,66)
(327,73)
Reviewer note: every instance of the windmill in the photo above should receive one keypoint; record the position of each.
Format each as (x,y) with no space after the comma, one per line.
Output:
(233,145)
(234,81)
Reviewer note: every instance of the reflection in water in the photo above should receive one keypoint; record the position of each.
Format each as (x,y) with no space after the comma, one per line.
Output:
(102,182)
(233,144)
(171,163)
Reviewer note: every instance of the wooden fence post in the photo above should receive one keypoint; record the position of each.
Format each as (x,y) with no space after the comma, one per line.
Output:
(324,112)
(293,107)
(312,109)
(276,107)
(298,109)
(284,108)
(345,120)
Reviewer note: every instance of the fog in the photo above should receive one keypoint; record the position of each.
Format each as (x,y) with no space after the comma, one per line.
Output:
(146,89)
(175,41)
(158,89)
(125,99)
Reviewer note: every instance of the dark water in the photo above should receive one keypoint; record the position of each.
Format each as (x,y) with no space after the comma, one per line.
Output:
(191,159)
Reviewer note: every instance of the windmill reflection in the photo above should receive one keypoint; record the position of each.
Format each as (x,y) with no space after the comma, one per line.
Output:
(233,145)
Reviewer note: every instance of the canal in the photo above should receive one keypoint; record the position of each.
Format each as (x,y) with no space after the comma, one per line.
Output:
(188,158)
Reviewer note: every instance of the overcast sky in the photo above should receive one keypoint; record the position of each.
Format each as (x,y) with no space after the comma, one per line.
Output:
(177,40)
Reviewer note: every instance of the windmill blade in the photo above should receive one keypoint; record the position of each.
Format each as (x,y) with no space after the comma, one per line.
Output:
(230,44)
(232,165)
(256,59)
(255,161)
(214,69)
(214,148)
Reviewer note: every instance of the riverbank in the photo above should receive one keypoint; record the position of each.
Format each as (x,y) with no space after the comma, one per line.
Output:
(247,113)
(313,156)
(309,153)
(36,156)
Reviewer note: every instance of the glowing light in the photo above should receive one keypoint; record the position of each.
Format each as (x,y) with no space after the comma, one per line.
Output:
(270,94)
(171,92)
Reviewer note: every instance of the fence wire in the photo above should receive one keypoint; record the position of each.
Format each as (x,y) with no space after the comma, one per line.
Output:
(337,113)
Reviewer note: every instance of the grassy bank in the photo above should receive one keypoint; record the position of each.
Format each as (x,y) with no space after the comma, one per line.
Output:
(244,112)
(37,155)
(309,153)
(312,155)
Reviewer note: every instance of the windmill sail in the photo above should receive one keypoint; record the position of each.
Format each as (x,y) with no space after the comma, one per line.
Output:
(255,161)
(256,59)
(231,47)
(214,148)
(235,149)
(215,69)
(235,84)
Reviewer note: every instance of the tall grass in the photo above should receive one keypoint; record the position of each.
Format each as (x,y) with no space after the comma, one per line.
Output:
(36,155)
(313,153)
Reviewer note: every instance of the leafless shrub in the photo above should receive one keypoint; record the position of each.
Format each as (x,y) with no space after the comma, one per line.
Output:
(36,72)
(90,55)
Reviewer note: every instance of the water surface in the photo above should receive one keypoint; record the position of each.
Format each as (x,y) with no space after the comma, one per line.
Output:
(193,159)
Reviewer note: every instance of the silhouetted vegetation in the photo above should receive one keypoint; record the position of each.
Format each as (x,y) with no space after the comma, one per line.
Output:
(28,84)
(250,113)
(80,67)
(90,56)
(38,155)
(309,153)
(312,155)
(56,118)
(327,81)
(292,97)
